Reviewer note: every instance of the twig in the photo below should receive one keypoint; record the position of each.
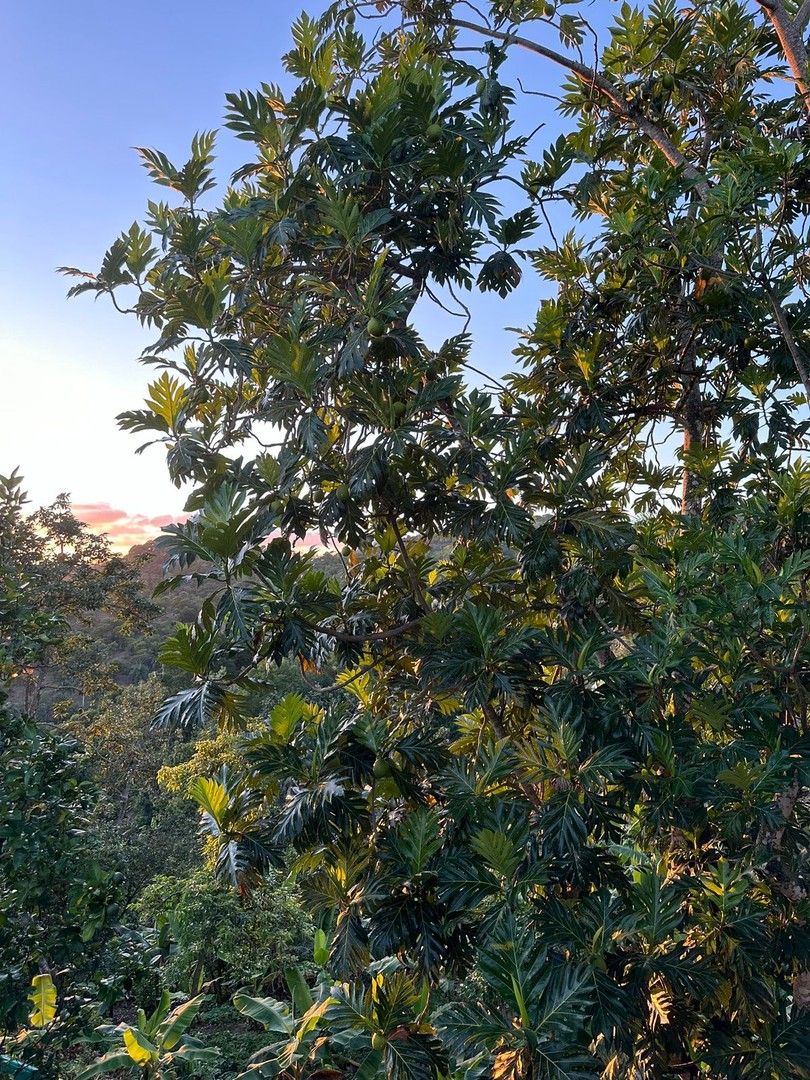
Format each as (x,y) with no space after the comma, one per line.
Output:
(413,577)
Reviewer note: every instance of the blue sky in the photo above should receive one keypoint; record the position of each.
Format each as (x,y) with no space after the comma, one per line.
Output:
(83,83)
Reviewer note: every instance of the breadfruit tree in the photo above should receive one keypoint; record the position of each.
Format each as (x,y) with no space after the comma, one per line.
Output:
(563,779)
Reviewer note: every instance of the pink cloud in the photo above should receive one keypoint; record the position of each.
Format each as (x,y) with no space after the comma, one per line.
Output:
(103,513)
(125,530)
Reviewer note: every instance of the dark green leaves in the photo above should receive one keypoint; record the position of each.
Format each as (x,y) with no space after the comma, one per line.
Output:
(564,624)
(254,116)
(500,273)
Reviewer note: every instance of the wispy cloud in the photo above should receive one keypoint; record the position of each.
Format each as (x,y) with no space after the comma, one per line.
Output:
(123,528)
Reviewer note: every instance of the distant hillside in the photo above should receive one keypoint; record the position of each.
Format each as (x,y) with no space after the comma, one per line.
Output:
(151,562)
(136,654)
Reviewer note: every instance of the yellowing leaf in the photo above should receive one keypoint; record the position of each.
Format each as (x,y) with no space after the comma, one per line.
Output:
(508,1065)
(660,1005)
(139,1048)
(43,1000)
(312,1016)
(446,704)
(167,399)
(211,796)
(613,1067)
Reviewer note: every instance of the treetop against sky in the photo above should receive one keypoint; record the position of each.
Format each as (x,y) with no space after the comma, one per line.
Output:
(108,78)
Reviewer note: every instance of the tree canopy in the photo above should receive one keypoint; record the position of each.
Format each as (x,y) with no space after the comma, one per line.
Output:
(70,575)
(56,902)
(562,782)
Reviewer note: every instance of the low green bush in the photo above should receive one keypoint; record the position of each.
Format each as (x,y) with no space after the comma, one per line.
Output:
(223,940)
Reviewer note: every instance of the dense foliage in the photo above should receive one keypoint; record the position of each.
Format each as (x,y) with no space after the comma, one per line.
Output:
(554,825)
(88,927)
(57,904)
(72,572)
(138,826)
(222,942)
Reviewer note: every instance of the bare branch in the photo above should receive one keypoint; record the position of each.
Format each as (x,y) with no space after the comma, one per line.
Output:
(410,569)
(496,723)
(790,33)
(378,635)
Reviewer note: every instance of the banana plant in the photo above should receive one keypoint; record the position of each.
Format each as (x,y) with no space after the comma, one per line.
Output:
(297,1049)
(155,1047)
(41,1019)
(368,1031)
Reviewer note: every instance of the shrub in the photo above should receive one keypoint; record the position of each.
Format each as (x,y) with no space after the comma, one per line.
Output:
(224,939)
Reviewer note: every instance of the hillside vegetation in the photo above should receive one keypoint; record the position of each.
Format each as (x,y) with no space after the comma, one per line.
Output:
(516,786)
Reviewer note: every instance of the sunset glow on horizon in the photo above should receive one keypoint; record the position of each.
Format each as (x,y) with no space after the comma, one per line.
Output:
(126,530)
(123,528)
(107,83)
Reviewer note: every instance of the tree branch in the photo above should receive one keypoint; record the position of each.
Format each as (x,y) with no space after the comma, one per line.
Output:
(692,420)
(492,718)
(778,873)
(590,77)
(789,339)
(377,635)
(790,34)
(495,722)
(413,577)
